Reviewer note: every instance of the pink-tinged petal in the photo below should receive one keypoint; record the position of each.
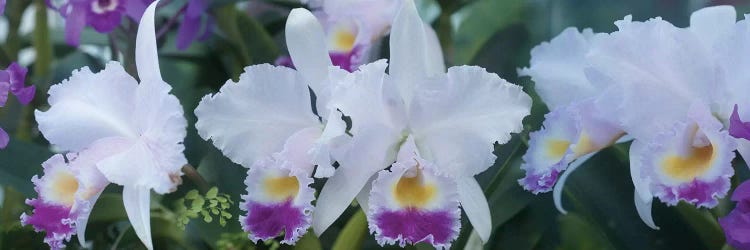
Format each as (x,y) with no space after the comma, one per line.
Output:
(52,209)
(4,138)
(285,61)
(692,162)
(75,21)
(738,128)
(411,204)
(277,201)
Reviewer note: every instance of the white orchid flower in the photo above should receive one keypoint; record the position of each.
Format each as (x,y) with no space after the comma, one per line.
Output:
(439,128)
(577,126)
(669,92)
(266,123)
(118,131)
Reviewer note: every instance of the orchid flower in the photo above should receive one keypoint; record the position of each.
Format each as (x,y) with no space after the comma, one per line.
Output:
(266,123)
(351,28)
(12,80)
(671,104)
(665,87)
(577,126)
(2,6)
(737,223)
(103,15)
(439,128)
(118,131)
(192,20)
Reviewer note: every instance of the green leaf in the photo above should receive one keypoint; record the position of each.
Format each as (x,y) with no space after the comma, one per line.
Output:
(20,161)
(353,234)
(578,234)
(192,194)
(476,23)
(212,193)
(310,242)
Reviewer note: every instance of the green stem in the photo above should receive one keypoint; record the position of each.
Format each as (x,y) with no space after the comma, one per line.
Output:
(196,178)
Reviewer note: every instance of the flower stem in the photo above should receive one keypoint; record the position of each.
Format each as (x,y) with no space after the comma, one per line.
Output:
(192,174)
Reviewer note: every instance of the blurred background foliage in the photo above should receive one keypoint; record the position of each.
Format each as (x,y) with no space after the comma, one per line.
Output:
(495,34)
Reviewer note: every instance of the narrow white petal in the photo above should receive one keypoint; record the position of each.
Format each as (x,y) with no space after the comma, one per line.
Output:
(137,206)
(644,210)
(642,185)
(557,191)
(457,117)
(88,107)
(146,57)
(475,205)
(82,222)
(253,117)
(435,62)
(408,46)
(306,42)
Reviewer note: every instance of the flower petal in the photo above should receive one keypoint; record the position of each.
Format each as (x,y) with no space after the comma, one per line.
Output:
(4,138)
(408,45)
(277,201)
(644,210)
(140,164)
(433,51)
(474,203)
(411,204)
(456,118)
(307,47)
(557,191)
(137,201)
(713,23)
(550,150)
(558,66)
(146,56)
(75,21)
(738,128)
(89,106)
(693,162)
(253,118)
(52,208)
(371,150)
(191,23)
(658,86)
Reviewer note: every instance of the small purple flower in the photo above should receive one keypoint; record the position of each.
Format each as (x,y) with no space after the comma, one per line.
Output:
(12,80)
(103,15)
(191,23)
(736,224)
(2,6)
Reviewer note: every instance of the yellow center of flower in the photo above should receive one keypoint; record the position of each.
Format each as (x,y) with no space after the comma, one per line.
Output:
(557,148)
(282,188)
(343,40)
(687,168)
(584,145)
(62,188)
(413,191)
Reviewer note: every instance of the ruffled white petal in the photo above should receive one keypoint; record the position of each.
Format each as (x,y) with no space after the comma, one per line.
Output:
(557,68)
(369,98)
(411,203)
(137,201)
(456,118)
(659,71)
(278,200)
(472,199)
(89,106)
(253,117)
(730,54)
